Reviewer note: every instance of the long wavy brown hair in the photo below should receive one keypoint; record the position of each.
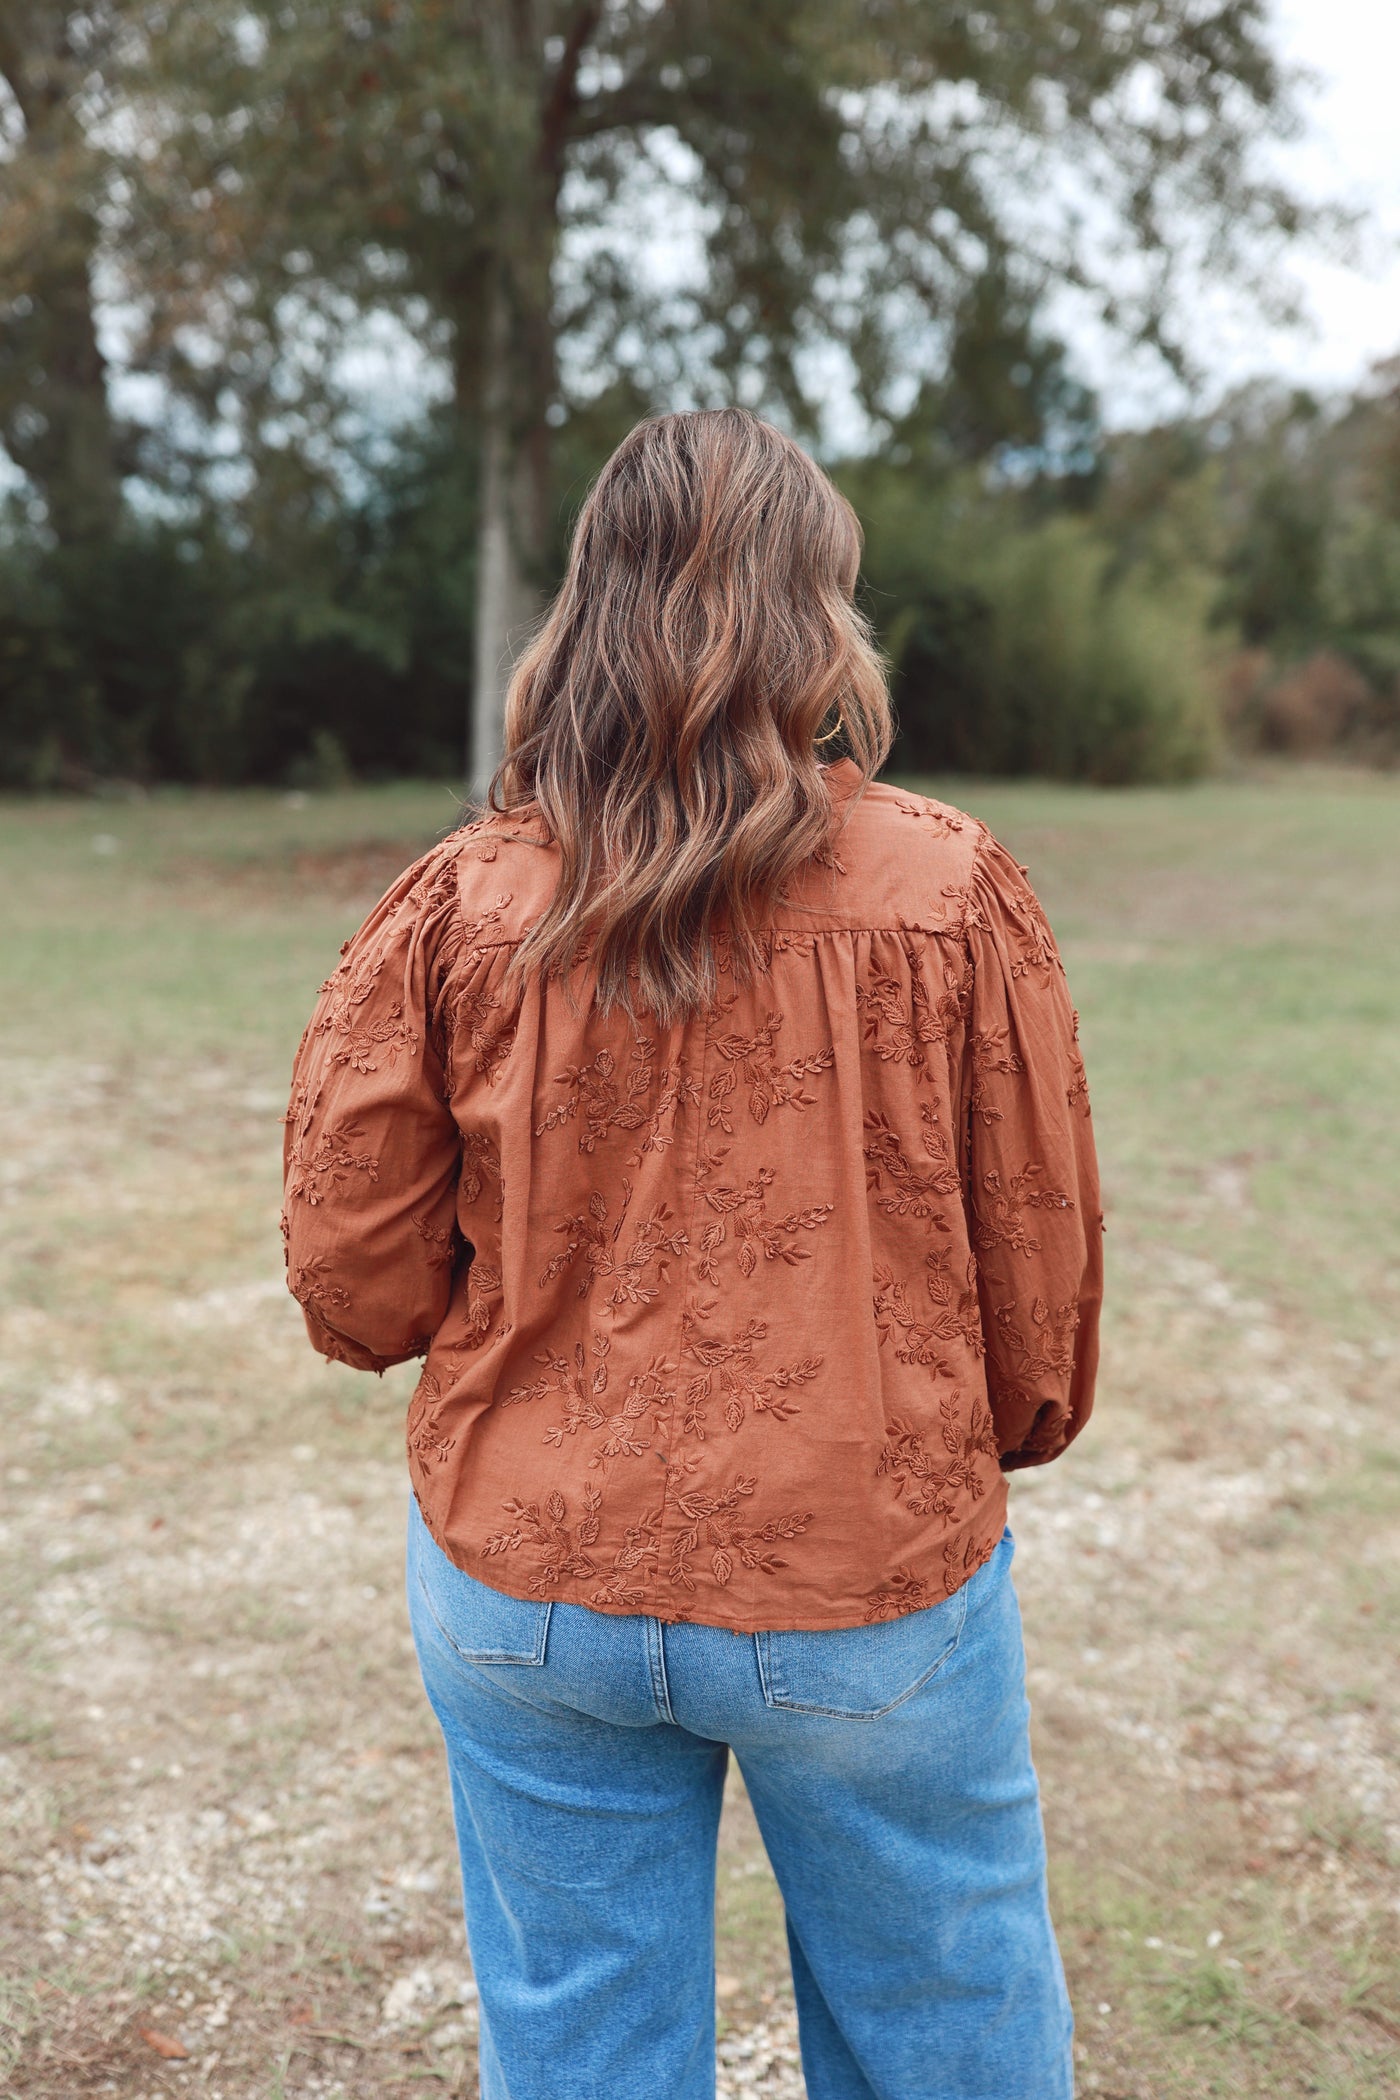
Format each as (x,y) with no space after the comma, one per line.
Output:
(670,716)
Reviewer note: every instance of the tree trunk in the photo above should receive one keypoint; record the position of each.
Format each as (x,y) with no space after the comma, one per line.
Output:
(512,376)
(55,420)
(511,540)
(72,458)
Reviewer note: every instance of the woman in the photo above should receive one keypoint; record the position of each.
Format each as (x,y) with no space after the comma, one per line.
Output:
(712,1120)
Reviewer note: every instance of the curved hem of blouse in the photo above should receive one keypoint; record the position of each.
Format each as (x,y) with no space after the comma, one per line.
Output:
(914,1584)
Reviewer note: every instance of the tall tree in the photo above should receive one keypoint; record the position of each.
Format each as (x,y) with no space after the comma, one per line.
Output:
(828,177)
(56,72)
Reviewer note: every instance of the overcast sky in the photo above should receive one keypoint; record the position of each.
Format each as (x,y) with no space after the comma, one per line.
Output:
(1352,151)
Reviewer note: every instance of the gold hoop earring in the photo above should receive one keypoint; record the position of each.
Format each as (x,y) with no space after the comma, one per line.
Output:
(835,732)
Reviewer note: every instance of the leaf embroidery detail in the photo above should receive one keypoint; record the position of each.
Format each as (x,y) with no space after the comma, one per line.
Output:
(1000,1219)
(990,1054)
(363,1045)
(930,1480)
(594,1095)
(481,1162)
(424,1436)
(904,1592)
(323,1168)
(727,1370)
(905,1190)
(598,1246)
(1048,1350)
(771,1085)
(561,1547)
(744,1210)
(717,1521)
(312,1285)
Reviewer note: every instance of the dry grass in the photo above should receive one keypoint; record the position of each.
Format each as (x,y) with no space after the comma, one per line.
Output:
(225,1825)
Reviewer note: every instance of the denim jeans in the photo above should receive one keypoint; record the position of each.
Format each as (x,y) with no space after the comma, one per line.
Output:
(889,1768)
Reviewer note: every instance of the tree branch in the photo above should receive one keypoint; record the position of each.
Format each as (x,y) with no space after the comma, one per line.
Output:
(561,102)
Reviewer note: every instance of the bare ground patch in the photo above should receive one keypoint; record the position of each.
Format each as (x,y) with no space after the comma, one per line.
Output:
(226,1864)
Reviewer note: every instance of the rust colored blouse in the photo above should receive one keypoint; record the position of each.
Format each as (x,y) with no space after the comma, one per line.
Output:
(742,1320)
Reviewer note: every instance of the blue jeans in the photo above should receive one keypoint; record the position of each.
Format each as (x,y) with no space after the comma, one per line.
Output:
(889,1768)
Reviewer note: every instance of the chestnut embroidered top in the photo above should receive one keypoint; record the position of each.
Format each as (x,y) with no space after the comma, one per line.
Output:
(741,1320)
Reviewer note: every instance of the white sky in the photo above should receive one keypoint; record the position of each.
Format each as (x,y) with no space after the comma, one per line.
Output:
(1351,152)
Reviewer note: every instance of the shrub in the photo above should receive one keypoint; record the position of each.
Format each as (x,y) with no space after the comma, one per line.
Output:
(1315,706)
(181,655)
(1016,649)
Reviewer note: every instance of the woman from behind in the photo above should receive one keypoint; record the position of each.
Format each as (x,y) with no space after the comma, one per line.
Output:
(710,1116)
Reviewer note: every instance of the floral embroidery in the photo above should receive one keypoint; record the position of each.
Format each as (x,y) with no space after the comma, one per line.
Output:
(424,1436)
(562,1547)
(756,1234)
(325,1168)
(904,1190)
(934,1479)
(1049,1352)
(770,1084)
(888,1028)
(483,1298)
(591,1238)
(594,1091)
(1000,1223)
(958,1566)
(904,1592)
(576,1381)
(900,1029)
(648,1392)
(714,1520)
(639,1547)
(768,942)
(678,1090)
(481,1162)
(990,1053)
(958,1318)
(474,1016)
(311,1286)
(1036,949)
(439,1246)
(741,1385)
(915,1341)
(472,1013)
(362,1043)
(305,1100)
(486,929)
(947,821)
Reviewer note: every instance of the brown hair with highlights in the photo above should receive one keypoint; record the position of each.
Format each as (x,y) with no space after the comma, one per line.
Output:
(669,715)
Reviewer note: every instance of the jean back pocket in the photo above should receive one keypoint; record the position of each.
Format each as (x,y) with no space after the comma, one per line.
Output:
(858,1673)
(482,1625)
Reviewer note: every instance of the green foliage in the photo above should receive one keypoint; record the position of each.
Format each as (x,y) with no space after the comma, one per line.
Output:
(1016,648)
(1092,679)
(261,184)
(1273,581)
(337,647)
(842,166)
(1292,506)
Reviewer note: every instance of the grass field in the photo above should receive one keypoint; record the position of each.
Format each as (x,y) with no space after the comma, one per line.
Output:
(227,1864)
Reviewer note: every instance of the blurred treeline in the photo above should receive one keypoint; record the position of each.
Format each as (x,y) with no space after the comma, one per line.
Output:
(1222,582)
(218,565)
